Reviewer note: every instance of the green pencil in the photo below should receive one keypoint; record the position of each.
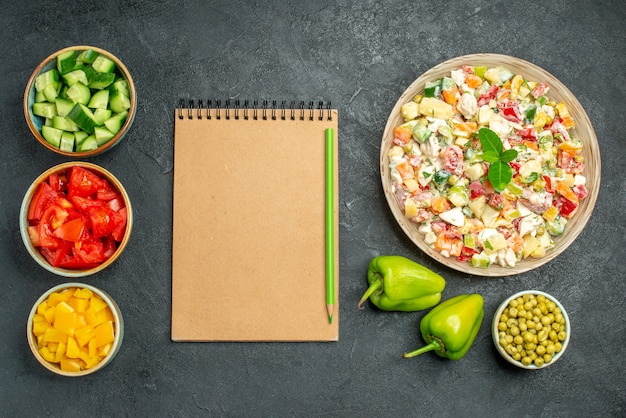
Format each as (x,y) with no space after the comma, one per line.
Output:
(330,223)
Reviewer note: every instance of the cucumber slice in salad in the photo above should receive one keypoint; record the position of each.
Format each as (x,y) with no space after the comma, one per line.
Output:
(82,116)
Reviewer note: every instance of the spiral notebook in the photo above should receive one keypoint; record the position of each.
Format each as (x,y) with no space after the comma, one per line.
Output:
(248,249)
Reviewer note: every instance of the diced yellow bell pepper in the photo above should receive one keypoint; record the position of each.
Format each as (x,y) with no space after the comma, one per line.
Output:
(70,365)
(104,334)
(54,335)
(104,315)
(105,349)
(56,297)
(64,321)
(550,214)
(93,350)
(84,335)
(83,293)
(49,314)
(60,354)
(81,321)
(52,347)
(39,328)
(72,349)
(46,354)
(96,303)
(41,308)
(79,305)
(90,316)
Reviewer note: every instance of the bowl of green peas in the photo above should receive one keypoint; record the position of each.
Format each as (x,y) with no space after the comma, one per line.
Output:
(531,329)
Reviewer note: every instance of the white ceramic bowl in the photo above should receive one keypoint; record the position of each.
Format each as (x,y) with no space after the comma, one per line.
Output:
(118,330)
(495,332)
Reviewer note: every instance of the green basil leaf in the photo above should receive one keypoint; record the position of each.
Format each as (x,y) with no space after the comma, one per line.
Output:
(500,175)
(508,155)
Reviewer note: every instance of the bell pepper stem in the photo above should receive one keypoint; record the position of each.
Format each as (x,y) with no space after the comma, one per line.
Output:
(434,345)
(374,287)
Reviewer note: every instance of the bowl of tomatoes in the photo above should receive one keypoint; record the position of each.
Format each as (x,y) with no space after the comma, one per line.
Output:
(76,219)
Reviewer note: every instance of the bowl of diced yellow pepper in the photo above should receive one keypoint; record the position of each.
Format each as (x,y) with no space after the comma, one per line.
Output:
(75,329)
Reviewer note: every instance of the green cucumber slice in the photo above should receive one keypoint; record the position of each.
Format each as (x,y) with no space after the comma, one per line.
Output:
(39,97)
(52,135)
(74,77)
(66,62)
(103,135)
(50,93)
(87,56)
(63,106)
(49,77)
(80,136)
(114,124)
(67,142)
(87,144)
(44,109)
(83,117)
(103,64)
(79,93)
(100,81)
(101,115)
(99,100)
(118,101)
(64,123)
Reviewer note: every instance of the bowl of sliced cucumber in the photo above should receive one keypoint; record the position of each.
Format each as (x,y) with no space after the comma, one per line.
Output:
(80,101)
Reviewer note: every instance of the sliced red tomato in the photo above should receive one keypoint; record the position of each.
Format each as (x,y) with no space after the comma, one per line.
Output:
(109,247)
(83,183)
(71,231)
(40,201)
(58,182)
(106,194)
(55,256)
(83,204)
(510,110)
(120,229)
(116,204)
(104,220)
(51,219)
(90,252)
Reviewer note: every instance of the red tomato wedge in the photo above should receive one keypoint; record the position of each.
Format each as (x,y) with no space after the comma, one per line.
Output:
(83,183)
(71,231)
(40,201)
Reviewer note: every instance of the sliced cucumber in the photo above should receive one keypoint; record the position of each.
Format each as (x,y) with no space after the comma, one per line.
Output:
(67,142)
(119,97)
(52,135)
(63,106)
(83,117)
(44,109)
(80,136)
(79,93)
(39,97)
(114,124)
(87,144)
(66,62)
(99,100)
(103,64)
(65,124)
(101,80)
(49,77)
(101,115)
(87,56)
(50,93)
(103,135)
(75,76)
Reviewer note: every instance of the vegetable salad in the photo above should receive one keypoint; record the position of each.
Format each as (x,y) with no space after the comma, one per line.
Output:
(488,166)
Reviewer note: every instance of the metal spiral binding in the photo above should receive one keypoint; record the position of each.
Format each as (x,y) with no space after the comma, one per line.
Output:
(264,109)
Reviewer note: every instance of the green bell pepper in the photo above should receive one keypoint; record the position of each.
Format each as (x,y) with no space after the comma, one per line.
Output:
(451,327)
(399,284)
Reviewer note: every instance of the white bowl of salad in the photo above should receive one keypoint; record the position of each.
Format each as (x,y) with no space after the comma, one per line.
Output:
(490,165)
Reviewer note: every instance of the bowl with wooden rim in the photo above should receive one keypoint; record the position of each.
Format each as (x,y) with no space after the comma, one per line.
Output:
(582,130)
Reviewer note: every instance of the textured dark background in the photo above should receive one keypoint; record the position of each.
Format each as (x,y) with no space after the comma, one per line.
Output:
(361,56)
